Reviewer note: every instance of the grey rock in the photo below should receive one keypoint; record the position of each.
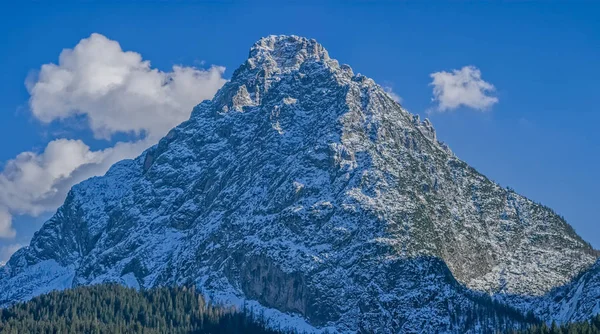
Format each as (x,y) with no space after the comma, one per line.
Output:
(306,188)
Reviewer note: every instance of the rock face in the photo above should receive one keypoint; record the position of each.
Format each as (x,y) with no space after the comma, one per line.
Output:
(306,188)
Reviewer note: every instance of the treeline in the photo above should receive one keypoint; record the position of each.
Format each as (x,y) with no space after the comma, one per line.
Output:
(486,314)
(117,309)
(585,327)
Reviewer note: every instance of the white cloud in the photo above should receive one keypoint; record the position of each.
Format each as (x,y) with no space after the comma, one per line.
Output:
(462,87)
(34,183)
(7,251)
(117,90)
(6,229)
(392,95)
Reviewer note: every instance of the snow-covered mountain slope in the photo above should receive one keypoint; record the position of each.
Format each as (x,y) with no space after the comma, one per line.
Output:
(305,187)
(577,301)
(574,302)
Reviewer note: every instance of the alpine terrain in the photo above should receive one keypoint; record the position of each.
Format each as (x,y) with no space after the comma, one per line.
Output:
(303,190)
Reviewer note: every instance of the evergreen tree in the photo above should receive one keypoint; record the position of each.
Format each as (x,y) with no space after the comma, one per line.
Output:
(116,309)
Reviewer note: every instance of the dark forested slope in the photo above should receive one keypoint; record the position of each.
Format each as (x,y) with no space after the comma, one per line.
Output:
(117,309)
(584,327)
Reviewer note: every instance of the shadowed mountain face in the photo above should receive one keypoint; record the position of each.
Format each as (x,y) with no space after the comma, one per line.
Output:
(306,188)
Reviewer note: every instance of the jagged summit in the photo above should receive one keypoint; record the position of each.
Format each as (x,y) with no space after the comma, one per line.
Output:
(276,57)
(304,189)
(269,61)
(287,52)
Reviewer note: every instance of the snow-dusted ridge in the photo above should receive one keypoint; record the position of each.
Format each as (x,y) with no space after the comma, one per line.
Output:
(306,189)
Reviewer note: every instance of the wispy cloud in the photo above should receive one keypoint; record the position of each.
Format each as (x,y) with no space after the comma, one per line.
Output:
(392,94)
(7,251)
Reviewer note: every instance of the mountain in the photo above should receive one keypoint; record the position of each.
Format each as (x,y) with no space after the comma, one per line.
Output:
(305,190)
(577,301)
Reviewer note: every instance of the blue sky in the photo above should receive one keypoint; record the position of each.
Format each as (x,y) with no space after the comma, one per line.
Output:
(542,59)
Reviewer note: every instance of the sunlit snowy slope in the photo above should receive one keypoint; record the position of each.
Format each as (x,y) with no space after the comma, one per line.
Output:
(304,189)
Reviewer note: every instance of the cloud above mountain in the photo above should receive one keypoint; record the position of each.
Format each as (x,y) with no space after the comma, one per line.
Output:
(392,94)
(33,183)
(115,91)
(7,250)
(462,88)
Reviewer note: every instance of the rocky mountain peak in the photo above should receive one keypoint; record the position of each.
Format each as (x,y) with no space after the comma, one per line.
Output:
(270,60)
(305,189)
(286,53)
